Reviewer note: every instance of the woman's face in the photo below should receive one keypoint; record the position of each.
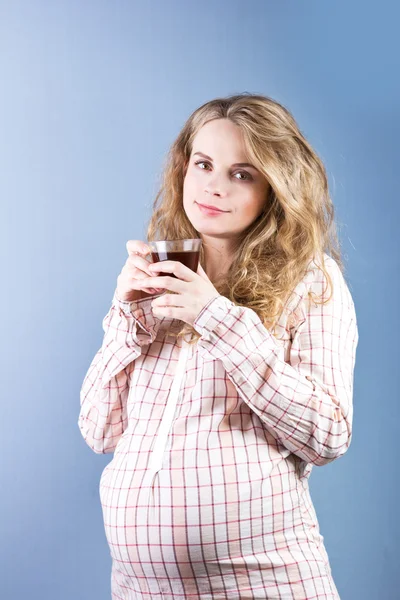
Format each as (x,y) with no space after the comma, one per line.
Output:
(213,178)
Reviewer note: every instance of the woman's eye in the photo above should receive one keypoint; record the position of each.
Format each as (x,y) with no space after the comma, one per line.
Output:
(247,177)
(245,174)
(200,162)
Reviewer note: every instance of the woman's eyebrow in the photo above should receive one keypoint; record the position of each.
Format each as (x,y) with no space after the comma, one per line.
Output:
(234,165)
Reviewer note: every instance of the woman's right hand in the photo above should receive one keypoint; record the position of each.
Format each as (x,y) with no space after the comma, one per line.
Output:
(134,270)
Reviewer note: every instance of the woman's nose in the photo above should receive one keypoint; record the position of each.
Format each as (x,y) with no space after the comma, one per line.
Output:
(215,187)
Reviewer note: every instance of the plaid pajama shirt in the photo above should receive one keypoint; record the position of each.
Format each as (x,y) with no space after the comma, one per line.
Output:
(207,495)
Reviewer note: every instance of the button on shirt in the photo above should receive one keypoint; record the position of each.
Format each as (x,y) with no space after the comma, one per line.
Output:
(207,493)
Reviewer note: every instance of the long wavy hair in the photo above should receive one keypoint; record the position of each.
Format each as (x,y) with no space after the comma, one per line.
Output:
(296,226)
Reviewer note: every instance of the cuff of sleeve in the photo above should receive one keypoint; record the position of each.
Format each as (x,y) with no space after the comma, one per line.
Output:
(212,314)
(141,311)
(233,333)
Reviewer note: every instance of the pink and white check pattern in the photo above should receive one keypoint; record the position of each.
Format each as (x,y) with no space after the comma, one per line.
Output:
(227,512)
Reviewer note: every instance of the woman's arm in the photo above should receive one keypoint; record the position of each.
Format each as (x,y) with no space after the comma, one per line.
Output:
(306,403)
(104,393)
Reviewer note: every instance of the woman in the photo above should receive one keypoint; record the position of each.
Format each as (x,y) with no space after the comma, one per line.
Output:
(215,436)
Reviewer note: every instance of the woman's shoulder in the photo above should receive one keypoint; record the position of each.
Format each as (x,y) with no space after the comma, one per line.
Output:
(315,285)
(338,290)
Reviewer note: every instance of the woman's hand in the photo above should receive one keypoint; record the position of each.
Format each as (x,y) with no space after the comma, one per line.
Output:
(135,270)
(192,291)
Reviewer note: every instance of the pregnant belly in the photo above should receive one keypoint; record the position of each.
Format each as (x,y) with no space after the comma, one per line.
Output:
(192,521)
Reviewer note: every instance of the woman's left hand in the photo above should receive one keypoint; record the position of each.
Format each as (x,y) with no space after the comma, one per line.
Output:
(192,291)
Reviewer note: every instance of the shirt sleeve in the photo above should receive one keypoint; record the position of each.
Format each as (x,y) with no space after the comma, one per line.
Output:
(304,398)
(104,393)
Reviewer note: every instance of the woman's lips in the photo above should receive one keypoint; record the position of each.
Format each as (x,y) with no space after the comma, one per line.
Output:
(210,211)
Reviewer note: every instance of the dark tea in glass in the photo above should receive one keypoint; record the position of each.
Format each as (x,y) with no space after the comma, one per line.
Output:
(185,251)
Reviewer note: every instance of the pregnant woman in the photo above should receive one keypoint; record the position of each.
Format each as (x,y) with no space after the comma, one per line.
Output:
(219,390)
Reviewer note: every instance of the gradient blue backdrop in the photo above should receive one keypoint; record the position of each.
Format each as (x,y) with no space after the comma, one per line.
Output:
(92,95)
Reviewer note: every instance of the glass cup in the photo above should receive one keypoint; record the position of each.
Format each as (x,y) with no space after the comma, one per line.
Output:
(185,251)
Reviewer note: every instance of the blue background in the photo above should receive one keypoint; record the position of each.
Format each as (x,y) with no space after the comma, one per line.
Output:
(92,96)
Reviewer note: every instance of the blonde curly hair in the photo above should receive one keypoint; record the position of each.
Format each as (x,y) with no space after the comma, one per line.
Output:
(296,226)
